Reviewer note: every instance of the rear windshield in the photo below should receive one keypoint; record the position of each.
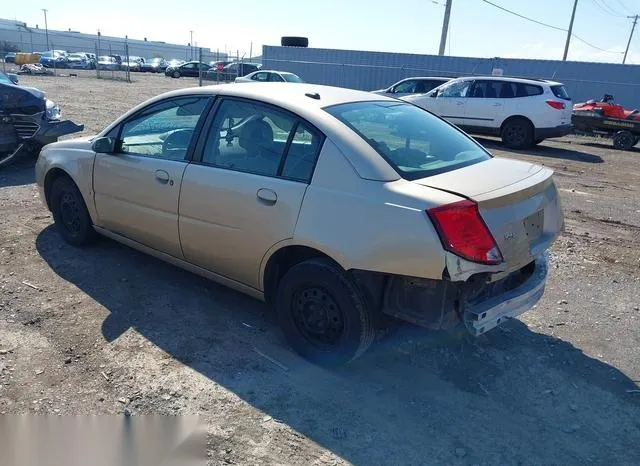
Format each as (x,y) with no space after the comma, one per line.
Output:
(413,141)
(560,92)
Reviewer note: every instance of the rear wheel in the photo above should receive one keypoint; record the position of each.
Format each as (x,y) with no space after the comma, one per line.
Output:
(322,313)
(623,140)
(517,133)
(176,74)
(70,213)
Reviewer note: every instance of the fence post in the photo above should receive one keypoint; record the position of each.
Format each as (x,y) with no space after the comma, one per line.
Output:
(97,56)
(200,66)
(126,52)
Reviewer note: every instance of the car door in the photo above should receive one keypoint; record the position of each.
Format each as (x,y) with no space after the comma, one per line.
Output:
(243,192)
(189,70)
(451,101)
(275,78)
(485,105)
(261,77)
(136,189)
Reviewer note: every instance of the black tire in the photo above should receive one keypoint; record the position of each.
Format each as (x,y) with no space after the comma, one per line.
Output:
(291,41)
(70,213)
(517,133)
(175,74)
(623,140)
(322,313)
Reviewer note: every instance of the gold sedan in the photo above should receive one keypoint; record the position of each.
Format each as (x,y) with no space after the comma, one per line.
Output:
(336,207)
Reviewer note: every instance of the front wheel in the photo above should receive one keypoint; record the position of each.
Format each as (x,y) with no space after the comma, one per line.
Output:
(517,133)
(176,74)
(70,213)
(322,313)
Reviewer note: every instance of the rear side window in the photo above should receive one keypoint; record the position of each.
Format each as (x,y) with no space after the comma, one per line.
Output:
(528,90)
(560,92)
(414,142)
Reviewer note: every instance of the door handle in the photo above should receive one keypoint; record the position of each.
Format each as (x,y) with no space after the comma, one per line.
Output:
(267,196)
(162,176)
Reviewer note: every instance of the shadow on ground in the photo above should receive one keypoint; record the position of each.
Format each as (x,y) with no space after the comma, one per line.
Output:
(18,173)
(543,151)
(513,397)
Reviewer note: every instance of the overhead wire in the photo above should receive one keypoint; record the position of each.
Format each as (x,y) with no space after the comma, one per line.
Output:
(607,9)
(549,26)
(625,7)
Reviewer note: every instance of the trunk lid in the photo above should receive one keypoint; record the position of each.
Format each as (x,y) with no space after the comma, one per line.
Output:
(517,200)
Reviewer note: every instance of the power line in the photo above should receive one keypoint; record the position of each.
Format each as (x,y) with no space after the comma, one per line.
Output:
(525,17)
(607,9)
(550,26)
(624,7)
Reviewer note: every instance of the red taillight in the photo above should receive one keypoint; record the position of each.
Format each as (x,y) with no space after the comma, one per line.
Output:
(555,104)
(464,233)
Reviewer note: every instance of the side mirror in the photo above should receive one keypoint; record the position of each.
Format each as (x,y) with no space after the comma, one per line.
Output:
(104,145)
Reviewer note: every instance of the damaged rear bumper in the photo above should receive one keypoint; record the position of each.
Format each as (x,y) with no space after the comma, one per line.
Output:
(480,317)
(481,302)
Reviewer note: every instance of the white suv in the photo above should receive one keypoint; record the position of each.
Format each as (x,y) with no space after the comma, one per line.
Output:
(523,112)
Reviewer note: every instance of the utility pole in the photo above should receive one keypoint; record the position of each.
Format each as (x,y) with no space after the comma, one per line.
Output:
(566,46)
(191,46)
(445,27)
(46,28)
(633,28)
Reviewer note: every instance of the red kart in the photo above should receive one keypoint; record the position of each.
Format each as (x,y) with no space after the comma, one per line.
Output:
(609,119)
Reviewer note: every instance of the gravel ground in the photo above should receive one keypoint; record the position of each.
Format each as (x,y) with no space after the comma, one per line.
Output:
(106,329)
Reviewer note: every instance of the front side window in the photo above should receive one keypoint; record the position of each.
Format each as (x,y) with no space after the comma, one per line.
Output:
(275,77)
(255,138)
(455,89)
(164,130)
(413,141)
(406,87)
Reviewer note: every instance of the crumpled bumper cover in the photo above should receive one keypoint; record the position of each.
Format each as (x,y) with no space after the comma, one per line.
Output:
(52,130)
(481,317)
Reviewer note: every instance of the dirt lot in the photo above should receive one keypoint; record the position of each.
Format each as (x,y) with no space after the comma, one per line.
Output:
(105,329)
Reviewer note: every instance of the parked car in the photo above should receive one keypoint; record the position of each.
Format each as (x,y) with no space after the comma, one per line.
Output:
(218,65)
(416,85)
(79,61)
(190,69)
(134,64)
(54,59)
(28,121)
(523,112)
(269,76)
(155,65)
(334,206)
(108,63)
(175,62)
(232,71)
(10,57)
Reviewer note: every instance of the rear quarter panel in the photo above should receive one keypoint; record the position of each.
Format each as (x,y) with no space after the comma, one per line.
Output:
(370,225)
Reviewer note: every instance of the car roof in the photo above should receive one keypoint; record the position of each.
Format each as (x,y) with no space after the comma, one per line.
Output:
(291,96)
(512,79)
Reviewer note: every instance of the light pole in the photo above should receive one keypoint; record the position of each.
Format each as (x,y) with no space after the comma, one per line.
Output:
(46,28)
(191,46)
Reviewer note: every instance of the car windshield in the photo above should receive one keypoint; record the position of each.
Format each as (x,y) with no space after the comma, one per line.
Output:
(415,142)
(291,78)
(46,54)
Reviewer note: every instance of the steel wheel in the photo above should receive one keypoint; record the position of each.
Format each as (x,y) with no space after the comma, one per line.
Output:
(70,212)
(317,316)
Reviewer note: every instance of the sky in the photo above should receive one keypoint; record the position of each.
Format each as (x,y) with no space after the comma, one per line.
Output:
(477,29)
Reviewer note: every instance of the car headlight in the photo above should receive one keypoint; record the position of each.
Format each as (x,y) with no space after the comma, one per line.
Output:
(53,110)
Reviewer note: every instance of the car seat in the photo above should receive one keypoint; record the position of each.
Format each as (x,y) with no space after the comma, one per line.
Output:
(256,137)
